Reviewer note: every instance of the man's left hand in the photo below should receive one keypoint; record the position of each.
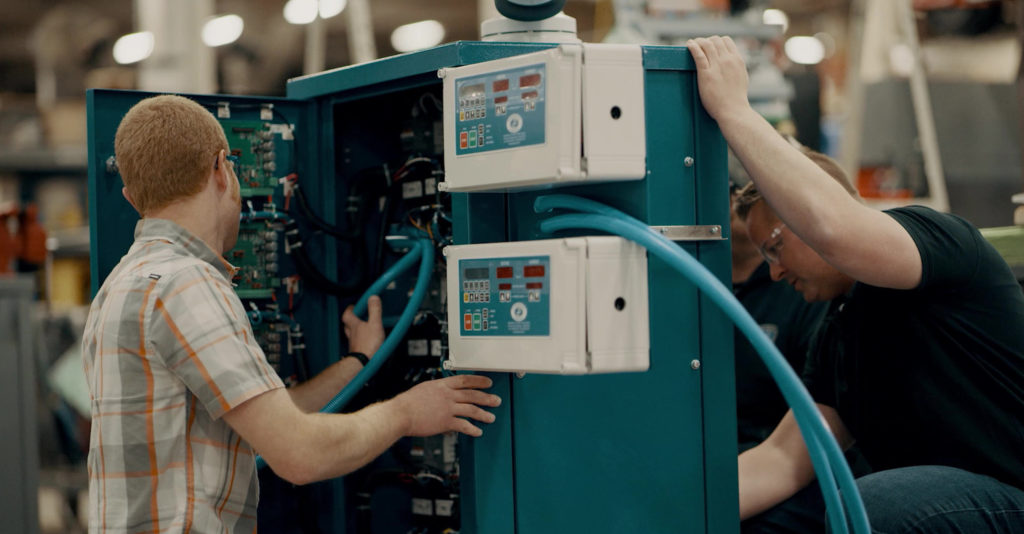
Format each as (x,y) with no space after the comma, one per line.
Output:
(364,336)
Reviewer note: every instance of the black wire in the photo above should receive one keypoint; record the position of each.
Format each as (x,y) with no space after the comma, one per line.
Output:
(318,280)
(312,275)
(350,234)
(381,234)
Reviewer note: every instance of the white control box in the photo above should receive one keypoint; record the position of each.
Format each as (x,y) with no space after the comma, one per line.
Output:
(570,114)
(570,306)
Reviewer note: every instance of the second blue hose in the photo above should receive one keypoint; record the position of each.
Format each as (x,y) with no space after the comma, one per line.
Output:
(819,440)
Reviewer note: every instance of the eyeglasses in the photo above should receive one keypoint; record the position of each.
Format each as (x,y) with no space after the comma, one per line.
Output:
(770,248)
(232,159)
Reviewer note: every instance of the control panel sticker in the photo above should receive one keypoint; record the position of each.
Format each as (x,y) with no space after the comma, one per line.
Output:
(505,296)
(499,110)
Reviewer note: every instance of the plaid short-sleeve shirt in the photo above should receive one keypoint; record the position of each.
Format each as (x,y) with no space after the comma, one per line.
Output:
(168,350)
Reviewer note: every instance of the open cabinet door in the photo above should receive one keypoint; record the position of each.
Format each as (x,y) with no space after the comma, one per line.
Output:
(273,139)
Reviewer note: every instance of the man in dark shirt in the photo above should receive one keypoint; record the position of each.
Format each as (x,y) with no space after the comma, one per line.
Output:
(784,316)
(922,358)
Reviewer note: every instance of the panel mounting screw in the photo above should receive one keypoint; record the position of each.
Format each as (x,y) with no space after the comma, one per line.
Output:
(688,161)
(695,364)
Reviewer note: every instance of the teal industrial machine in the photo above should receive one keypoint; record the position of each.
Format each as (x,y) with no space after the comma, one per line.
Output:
(616,373)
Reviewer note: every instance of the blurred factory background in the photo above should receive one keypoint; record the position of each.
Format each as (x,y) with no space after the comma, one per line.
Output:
(918,99)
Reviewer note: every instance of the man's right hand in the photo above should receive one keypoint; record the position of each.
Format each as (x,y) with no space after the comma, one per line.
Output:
(721,75)
(442,405)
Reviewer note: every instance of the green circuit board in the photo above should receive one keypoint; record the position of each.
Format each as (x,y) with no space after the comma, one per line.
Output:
(272,337)
(253,143)
(256,256)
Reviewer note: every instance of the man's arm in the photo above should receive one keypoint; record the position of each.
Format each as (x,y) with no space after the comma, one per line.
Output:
(861,242)
(364,337)
(780,466)
(306,447)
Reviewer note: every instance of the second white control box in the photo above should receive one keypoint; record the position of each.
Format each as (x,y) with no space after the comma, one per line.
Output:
(574,306)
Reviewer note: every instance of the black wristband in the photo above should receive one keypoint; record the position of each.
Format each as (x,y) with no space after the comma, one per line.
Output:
(359,356)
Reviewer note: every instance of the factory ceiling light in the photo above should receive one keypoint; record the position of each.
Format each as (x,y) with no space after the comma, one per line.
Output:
(776,17)
(301,11)
(331,8)
(417,36)
(805,50)
(223,30)
(133,47)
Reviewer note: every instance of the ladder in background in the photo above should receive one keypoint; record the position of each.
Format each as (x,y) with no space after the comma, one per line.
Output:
(938,197)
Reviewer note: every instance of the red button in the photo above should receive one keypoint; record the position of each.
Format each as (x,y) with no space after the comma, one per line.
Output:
(463,140)
(467,321)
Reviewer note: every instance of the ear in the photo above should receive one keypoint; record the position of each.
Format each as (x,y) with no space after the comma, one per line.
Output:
(220,173)
(128,197)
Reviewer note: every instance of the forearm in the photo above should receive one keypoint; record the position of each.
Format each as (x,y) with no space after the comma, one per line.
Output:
(311,395)
(334,445)
(781,466)
(768,476)
(306,447)
(806,198)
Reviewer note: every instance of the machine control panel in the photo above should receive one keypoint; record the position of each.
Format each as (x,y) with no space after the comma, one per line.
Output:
(503,109)
(505,296)
(576,305)
(545,118)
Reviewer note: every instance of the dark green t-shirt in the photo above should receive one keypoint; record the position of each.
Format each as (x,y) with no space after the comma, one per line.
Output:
(790,322)
(932,375)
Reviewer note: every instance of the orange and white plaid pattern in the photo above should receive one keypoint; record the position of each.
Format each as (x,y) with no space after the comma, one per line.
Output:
(167,351)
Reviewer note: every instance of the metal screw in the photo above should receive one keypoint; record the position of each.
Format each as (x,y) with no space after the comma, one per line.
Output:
(688,161)
(695,364)
(716,229)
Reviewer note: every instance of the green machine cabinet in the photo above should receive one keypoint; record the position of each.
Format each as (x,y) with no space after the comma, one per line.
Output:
(651,452)
(631,452)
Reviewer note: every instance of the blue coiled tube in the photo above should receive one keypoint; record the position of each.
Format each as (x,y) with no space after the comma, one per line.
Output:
(423,250)
(824,451)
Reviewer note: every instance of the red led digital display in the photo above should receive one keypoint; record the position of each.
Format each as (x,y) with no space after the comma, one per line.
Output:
(532,271)
(500,99)
(500,85)
(530,95)
(530,80)
(504,272)
(504,287)
(534,285)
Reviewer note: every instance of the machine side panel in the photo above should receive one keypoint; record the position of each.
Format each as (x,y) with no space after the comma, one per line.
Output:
(718,363)
(487,463)
(623,452)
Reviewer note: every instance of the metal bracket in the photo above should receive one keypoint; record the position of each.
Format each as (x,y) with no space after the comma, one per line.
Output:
(706,232)
(267,112)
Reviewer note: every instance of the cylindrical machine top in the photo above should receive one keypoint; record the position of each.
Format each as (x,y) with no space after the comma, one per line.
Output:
(529,10)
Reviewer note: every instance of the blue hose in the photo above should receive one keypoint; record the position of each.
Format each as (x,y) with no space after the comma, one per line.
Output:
(391,274)
(423,250)
(819,440)
(426,252)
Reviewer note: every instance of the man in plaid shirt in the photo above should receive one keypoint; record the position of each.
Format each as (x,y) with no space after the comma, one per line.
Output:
(181,393)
